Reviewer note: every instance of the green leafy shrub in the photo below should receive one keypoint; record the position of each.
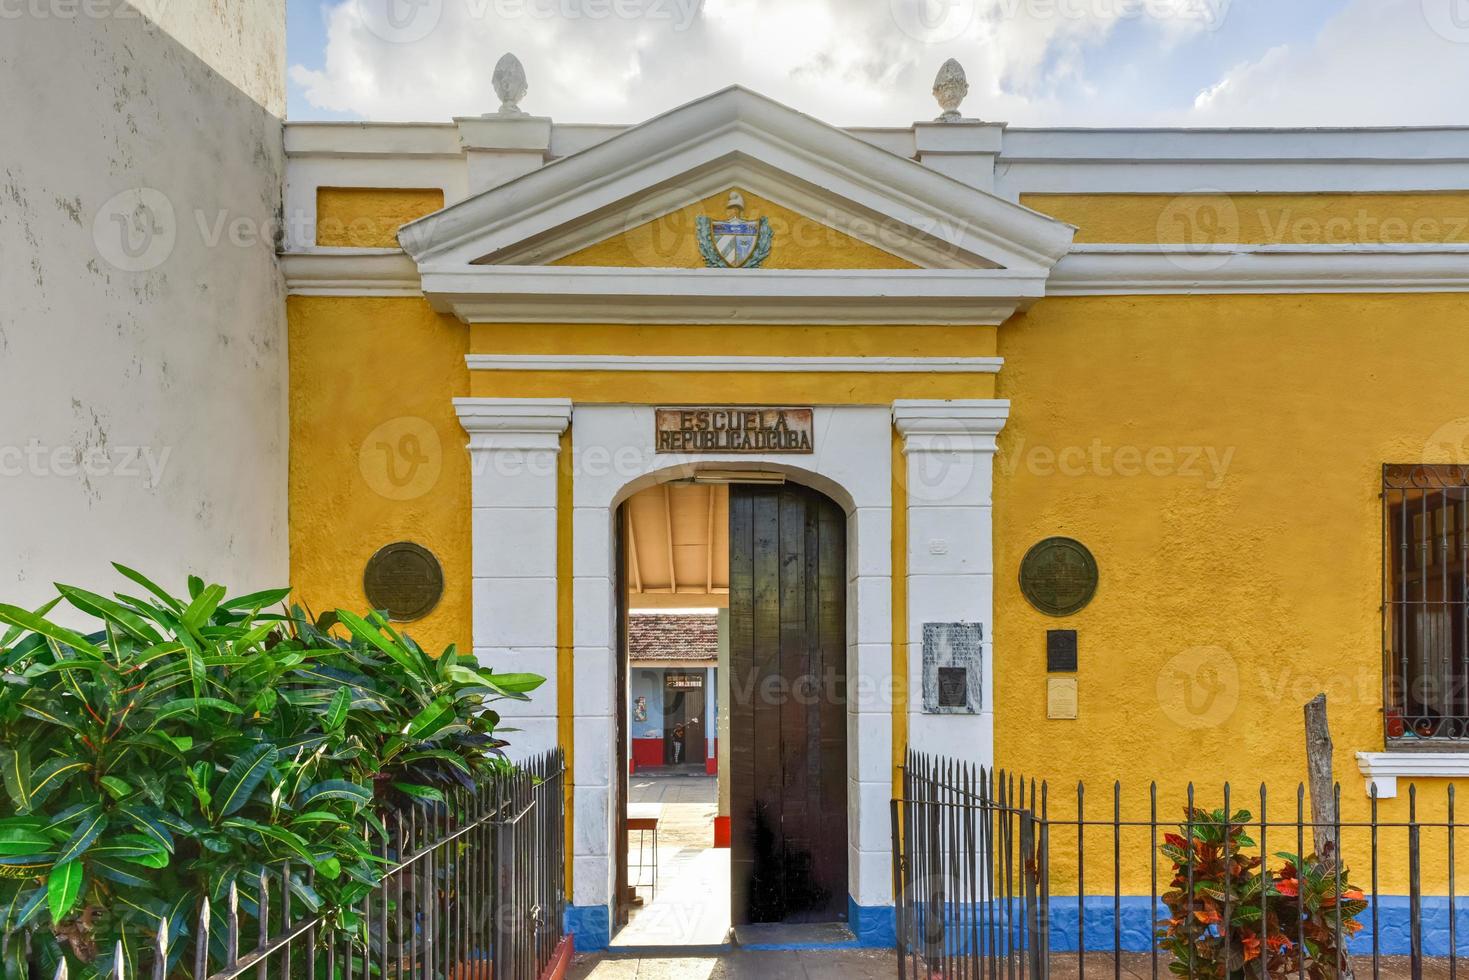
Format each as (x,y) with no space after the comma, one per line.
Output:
(1282,923)
(185,743)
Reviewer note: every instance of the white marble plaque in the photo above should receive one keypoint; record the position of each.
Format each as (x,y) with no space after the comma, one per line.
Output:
(952,664)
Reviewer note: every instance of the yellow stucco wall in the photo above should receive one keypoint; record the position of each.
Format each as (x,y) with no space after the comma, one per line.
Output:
(1221,458)
(1261,219)
(670,241)
(369,217)
(377,453)
(1219,454)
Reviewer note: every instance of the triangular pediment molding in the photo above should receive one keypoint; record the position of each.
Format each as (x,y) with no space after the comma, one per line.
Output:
(737,138)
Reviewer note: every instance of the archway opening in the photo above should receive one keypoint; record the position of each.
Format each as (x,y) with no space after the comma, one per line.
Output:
(733,712)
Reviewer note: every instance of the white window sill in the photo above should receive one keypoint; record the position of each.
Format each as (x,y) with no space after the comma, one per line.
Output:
(1384,769)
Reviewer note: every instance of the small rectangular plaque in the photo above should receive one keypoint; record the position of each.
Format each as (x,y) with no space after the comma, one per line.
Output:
(953,684)
(1061,698)
(731,429)
(1061,651)
(952,667)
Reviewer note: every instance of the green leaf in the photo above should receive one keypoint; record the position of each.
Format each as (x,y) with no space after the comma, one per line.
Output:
(158,593)
(52,774)
(63,888)
(244,776)
(256,600)
(17,773)
(365,631)
(183,705)
(25,619)
(419,792)
(111,611)
(432,718)
(336,789)
(202,607)
(82,838)
(336,712)
(117,788)
(22,838)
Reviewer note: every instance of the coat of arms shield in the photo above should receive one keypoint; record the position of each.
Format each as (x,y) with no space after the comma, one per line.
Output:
(736,242)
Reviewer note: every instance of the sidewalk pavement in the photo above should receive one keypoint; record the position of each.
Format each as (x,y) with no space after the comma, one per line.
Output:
(742,964)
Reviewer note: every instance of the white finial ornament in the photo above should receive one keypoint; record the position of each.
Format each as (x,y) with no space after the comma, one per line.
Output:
(510,84)
(949,88)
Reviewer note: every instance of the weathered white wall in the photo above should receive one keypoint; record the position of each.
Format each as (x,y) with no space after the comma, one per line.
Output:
(142,319)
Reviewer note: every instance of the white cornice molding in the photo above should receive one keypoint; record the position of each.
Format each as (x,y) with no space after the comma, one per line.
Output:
(950,425)
(350,272)
(757,136)
(1135,270)
(724,364)
(514,423)
(596,294)
(1384,769)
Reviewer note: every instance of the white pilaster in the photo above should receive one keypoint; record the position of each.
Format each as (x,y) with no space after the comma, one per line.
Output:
(514,445)
(950,450)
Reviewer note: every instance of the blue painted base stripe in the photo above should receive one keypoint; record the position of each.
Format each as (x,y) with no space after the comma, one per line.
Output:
(874,925)
(1138,920)
(591,925)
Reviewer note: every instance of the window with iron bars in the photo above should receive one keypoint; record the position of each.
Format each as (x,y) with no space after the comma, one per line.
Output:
(1425,602)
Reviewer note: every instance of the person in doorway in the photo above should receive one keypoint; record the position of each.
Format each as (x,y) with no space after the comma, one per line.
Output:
(678,736)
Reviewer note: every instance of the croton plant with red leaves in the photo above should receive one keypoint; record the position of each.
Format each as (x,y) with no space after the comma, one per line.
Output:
(1281,923)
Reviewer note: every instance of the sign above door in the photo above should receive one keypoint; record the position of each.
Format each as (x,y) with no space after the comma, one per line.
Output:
(732,429)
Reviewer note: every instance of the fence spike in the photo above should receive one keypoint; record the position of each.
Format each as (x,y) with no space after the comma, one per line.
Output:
(201,942)
(119,962)
(160,959)
(60,969)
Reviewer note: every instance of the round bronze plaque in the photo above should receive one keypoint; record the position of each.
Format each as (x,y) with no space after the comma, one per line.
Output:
(405,579)
(1058,576)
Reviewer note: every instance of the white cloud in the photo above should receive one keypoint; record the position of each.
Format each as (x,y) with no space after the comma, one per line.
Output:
(1377,63)
(849,61)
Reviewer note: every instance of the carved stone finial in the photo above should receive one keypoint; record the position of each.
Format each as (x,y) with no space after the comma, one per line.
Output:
(949,88)
(510,84)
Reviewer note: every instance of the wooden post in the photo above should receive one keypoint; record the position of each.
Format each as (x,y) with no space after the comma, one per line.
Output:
(1322,785)
(1323,802)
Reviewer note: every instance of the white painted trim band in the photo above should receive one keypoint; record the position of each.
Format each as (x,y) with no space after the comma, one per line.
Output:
(1384,769)
(727,364)
(350,272)
(1135,270)
(595,294)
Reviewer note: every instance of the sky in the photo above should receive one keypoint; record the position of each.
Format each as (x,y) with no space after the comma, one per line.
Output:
(872,62)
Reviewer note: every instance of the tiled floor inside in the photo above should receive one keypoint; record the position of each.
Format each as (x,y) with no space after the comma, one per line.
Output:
(690,906)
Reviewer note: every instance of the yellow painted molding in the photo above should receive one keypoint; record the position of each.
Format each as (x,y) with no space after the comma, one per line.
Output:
(672,340)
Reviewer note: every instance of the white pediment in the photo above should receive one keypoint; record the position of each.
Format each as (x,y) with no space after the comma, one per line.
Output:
(967,245)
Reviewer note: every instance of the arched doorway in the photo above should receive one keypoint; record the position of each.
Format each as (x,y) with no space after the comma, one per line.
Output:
(767,562)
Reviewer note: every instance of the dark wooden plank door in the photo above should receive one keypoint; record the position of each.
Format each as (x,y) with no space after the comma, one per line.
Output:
(788,713)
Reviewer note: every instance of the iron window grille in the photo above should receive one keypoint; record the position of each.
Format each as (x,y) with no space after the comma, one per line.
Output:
(1425,601)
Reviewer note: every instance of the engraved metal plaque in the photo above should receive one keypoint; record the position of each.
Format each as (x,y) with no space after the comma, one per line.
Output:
(1061,651)
(953,683)
(731,429)
(405,580)
(1059,576)
(952,668)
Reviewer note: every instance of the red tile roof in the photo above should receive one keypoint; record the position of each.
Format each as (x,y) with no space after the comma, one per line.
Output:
(668,636)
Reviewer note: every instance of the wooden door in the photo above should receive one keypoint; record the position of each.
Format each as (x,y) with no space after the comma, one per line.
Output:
(788,723)
(696,745)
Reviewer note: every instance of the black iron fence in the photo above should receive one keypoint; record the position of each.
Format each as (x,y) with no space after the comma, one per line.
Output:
(998,877)
(474,888)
